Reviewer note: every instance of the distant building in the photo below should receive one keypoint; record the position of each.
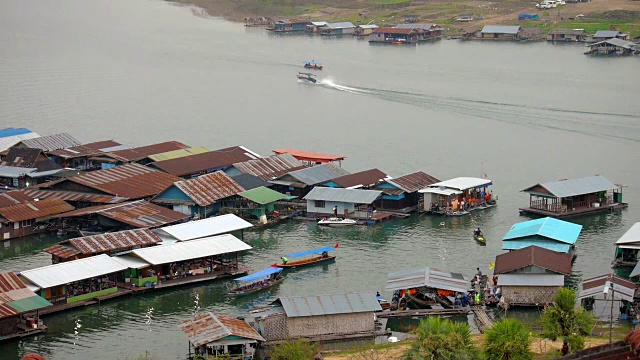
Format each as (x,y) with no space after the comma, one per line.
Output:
(350,203)
(341,28)
(402,193)
(548,233)
(316,26)
(628,248)
(29,217)
(575,35)
(293,24)
(390,35)
(601,35)
(427,31)
(613,46)
(365,29)
(499,32)
(299,182)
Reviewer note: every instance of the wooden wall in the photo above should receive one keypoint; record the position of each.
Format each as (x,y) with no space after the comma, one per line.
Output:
(330,324)
(529,295)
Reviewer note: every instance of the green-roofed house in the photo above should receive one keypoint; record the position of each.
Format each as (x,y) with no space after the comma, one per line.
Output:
(261,203)
(16,299)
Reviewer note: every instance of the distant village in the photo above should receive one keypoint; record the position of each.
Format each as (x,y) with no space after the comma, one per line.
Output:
(136,219)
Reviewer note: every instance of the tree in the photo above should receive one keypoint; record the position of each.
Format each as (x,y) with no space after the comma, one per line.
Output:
(565,320)
(292,350)
(439,339)
(507,340)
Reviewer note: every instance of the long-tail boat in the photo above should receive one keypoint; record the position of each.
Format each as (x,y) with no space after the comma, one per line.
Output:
(259,280)
(324,257)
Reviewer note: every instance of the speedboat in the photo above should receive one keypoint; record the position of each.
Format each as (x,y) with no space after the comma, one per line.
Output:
(312,65)
(334,221)
(307,76)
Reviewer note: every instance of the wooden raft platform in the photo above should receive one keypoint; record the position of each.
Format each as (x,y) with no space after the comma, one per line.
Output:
(482,319)
(572,213)
(421,313)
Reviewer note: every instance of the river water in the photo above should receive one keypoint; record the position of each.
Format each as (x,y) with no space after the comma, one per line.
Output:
(146,71)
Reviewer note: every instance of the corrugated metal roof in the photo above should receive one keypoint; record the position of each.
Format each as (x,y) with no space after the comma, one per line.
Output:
(368,26)
(131,261)
(632,236)
(363,178)
(13,198)
(606,33)
(349,303)
(90,149)
(23,157)
(141,152)
(309,156)
(390,30)
(440,191)
(35,209)
(13,289)
(270,167)
(175,154)
(72,271)
(263,195)
(206,227)
(413,182)
(568,32)
(62,251)
(15,172)
(573,187)
(530,280)
(319,23)
(8,141)
(462,183)
(248,181)
(414,26)
(132,181)
(550,228)
(72,196)
(616,42)
(624,289)
(209,188)
(341,25)
(547,244)
(343,195)
(500,29)
(317,174)
(194,249)
(533,255)
(52,142)
(120,240)
(428,277)
(208,327)
(198,163)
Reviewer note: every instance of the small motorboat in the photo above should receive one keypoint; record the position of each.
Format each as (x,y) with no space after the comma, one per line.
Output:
(479,236)
(307,76)
(323,258)
(334,221)
(312,65)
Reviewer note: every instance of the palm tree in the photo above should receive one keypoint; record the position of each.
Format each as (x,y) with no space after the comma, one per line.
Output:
(565,320)
(507,340)
(439,339)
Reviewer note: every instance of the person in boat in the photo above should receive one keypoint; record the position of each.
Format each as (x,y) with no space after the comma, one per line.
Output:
(335,211)
(325,254)
(477,232)
(479,273)
(284,259)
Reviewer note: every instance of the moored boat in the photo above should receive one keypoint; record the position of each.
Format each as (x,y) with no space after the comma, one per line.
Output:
(323,258)
(257,281)
(334,221)
(307,77)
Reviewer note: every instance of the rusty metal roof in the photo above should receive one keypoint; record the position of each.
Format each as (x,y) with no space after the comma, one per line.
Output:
(90,149)
(23,157)
(389,30)
(533,255)
(212,160)
(72,196)
(114,241)
(413,182)
(270,167)
(363,178)
(12,289)
(208,327)
(141,152)
(139,214)
(131,181)
(35,209)
(13,198)
(63,251)
(51,142)
(207,189)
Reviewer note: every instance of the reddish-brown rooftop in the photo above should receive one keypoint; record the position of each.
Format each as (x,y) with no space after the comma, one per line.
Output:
(207,189)
(90,149)
(34,209)
(37,193)
(200,163)
(14,198)
(208,327)
(414,182)
(365,178)
(390,30)
(114,241)
(533,255)
(271,167)
(139,153)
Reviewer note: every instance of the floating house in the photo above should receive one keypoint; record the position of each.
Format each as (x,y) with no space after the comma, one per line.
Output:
(365,29)
(75,198)
(28,158)
(602,35)
(548,233)
(137,154)
(77,157)
(29,217)
(574,35)
(267,168)
(16,300)
(499,32)
(316,26)
(293,24)
(217,225)
(573,197)
(175,154)
(200,197)
(402,194)
(258,203)
(49,142)
(318,318)
(459,196)
(360,180)
(194,165)
(220,335)
(136,214)
(613,46)
(108,243)
(430,278)
(299,182)
(531,276)
(426,31)
(341,28)
(388,35)
(23,167)
(628,247)
(311,158)
(350,203)
(595,289)
(249,182)
(11,136)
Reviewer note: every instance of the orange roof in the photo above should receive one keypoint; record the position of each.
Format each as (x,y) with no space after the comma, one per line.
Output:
(309,156)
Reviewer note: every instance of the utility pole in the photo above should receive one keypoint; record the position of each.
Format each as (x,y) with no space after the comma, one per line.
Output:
(613,291)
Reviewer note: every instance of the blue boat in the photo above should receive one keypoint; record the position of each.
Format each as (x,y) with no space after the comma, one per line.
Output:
(257,281)
(311,64)
(323,257)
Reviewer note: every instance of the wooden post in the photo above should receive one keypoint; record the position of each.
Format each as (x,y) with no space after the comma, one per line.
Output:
(611,314)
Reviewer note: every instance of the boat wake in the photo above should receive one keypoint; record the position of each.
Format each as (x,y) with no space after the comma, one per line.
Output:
(330,84)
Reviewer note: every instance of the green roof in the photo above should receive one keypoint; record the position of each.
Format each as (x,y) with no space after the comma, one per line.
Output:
(263,195)
(30,303)
(175,154)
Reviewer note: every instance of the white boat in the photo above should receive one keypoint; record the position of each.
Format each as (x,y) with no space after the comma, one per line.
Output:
(334,221)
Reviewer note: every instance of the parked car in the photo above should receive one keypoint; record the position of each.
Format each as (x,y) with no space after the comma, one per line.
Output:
(464,19)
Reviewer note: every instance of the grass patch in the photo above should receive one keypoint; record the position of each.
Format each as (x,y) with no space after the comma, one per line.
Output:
(390,2)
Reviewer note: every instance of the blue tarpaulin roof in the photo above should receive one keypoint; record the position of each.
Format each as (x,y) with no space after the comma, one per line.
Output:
(13,131)
(311,252)
(547,244)
(550,228)
(260,274)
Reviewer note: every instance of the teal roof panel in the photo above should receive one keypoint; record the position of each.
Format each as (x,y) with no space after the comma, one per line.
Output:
(550,228)
(547,244)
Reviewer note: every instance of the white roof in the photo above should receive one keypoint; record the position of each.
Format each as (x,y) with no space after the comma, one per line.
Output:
(631,236)
(194,249)
(462,183)
(319,23)
(72,271)
(440,191)
(530,280)
(204,228)
(8,141)
(131,262)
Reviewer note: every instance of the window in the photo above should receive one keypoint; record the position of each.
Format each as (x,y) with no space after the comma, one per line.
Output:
(319,204)
(26,223)
(16,225)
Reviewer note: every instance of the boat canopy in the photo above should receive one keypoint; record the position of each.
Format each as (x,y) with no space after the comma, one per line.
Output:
(311,252)
(260,274)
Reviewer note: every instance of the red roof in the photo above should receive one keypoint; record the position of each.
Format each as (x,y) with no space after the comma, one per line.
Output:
(90,149)
(102,243)
(310,156)
(271,167)
(208,327)
(13,198)
(200,163)
(207,189)
(35,209)
(533,255)
(413,182)
(139,153)
(36,193)
(11,289)
(62,251)
(390,30)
